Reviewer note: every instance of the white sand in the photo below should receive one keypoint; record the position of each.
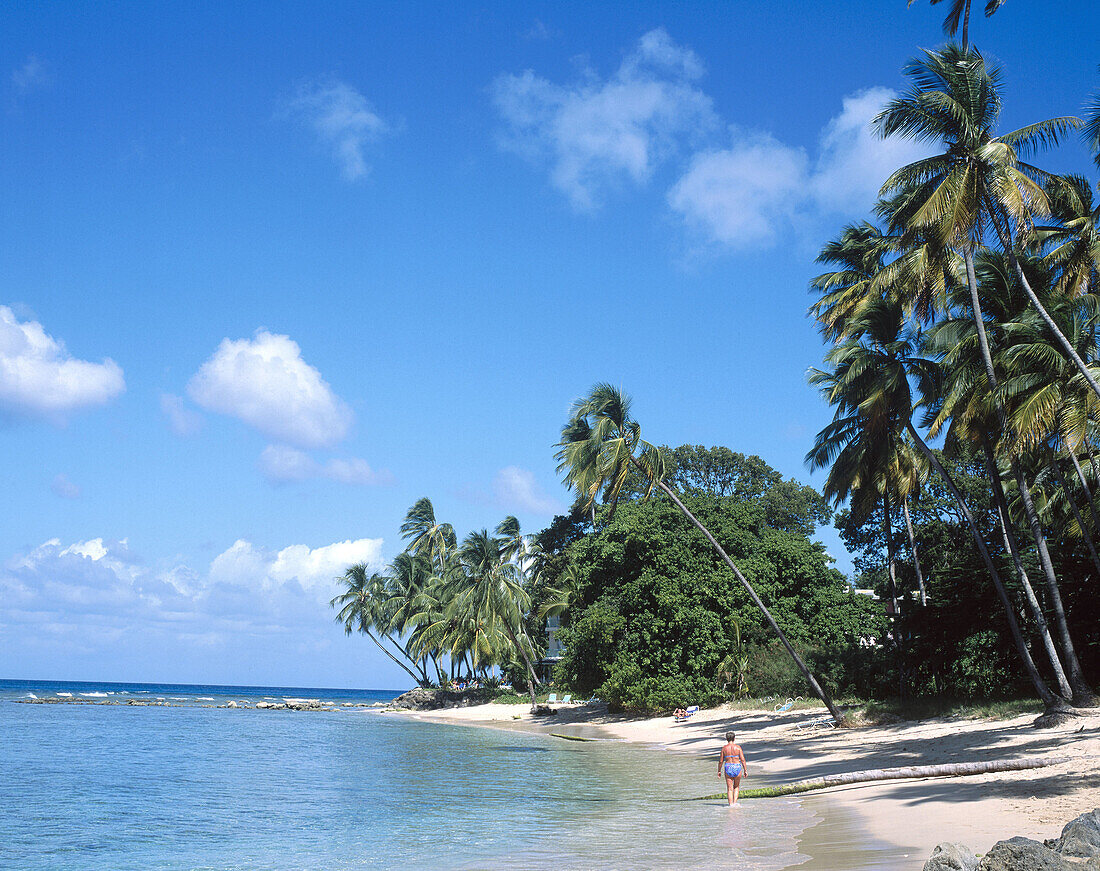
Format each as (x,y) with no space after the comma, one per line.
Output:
(914,814)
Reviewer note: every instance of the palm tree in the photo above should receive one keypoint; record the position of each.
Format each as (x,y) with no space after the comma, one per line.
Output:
(870,386)
(426,535)
(958,15)
(601,445)
(362,608)
(494,598)
(978,181)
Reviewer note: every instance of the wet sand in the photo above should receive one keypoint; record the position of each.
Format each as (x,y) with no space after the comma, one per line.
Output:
(885,825)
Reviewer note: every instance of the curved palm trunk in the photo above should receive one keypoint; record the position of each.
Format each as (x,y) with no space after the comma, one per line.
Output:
(891,570)
(1005,237)
(817,689)
(1082,693)
(382,647)
(1011,545)
(1085,534)
(913,551)
(1085,486)
(1049,700)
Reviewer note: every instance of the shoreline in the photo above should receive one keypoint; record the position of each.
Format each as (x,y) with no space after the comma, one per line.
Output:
(897,823)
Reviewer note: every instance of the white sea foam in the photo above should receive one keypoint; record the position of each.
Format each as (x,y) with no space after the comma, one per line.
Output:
(205,699)
(31,696)
(65,695)
(95,695)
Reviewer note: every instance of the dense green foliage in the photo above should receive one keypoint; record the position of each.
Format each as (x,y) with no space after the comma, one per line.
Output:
(659,606)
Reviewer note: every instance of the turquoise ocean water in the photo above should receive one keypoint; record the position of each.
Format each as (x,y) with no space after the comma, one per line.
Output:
(192,787)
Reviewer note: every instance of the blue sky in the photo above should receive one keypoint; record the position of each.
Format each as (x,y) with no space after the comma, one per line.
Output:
(270,274)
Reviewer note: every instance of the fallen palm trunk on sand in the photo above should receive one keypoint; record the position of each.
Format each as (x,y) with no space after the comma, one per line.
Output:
(953,769)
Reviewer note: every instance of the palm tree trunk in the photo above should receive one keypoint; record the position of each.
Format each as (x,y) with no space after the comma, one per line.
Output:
(1011,545)
(966,26)
(913,551)
(1050,701)
(381,647)
(1084,485)
(531,681)
(891,571)
(1083,696)
(1085,534)
(817,689)
(1005,236)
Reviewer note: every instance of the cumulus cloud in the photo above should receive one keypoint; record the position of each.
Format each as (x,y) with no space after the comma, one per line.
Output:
(40,379)
(92,593)
(264,382)
(281,464)
(516,488)
(29,76)
(313,569)
(743,194)
(183,421)
(64,488)
(749,193)
(342,119)
(599,131)
(854,162)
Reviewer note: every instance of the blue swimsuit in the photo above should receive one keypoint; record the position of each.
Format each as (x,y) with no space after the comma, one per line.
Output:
(731,769)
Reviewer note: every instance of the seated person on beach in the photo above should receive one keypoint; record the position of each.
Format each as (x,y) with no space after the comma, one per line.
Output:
(731,765)
(679,713)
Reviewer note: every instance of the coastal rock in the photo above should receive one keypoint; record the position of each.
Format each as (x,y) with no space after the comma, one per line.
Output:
(270,706)
(951,857)
(232,704)
(1080,837)
(543,711)
(1024,854)
(431,700)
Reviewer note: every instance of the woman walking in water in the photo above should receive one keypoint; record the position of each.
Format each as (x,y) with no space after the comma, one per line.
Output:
(731,764)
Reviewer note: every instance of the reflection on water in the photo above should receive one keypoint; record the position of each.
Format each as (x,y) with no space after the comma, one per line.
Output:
(99,788)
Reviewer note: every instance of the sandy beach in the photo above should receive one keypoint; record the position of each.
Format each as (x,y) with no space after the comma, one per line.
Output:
(904,818)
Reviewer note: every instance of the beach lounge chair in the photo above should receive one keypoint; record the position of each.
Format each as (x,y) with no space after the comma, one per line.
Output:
(825,722)
(786,706)
(566,700)
(694,709)
(552,699)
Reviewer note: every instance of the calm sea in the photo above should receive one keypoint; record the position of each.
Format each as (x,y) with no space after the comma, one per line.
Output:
(193,787)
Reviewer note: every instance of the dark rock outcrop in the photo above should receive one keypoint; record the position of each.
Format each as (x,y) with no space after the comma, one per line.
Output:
(432,700)
(951,857)
(1077,849)
(1080,837)
(1024,854)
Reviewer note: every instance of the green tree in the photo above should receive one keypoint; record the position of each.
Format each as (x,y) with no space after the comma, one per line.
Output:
(601,445)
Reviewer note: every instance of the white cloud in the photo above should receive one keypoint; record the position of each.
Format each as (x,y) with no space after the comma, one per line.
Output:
(314,569)
(598,131)
(342,119)
(64,488)
(281,464)
(264,382)
(31,76)
(749,193)
(854,162)
(97,591)
(516,488)
(40,379)
(744,194)
(183,421)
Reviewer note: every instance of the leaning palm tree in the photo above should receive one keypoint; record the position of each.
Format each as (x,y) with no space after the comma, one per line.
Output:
(601,446)
(425,534)
(978,182)
(362,608)
(869,383)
